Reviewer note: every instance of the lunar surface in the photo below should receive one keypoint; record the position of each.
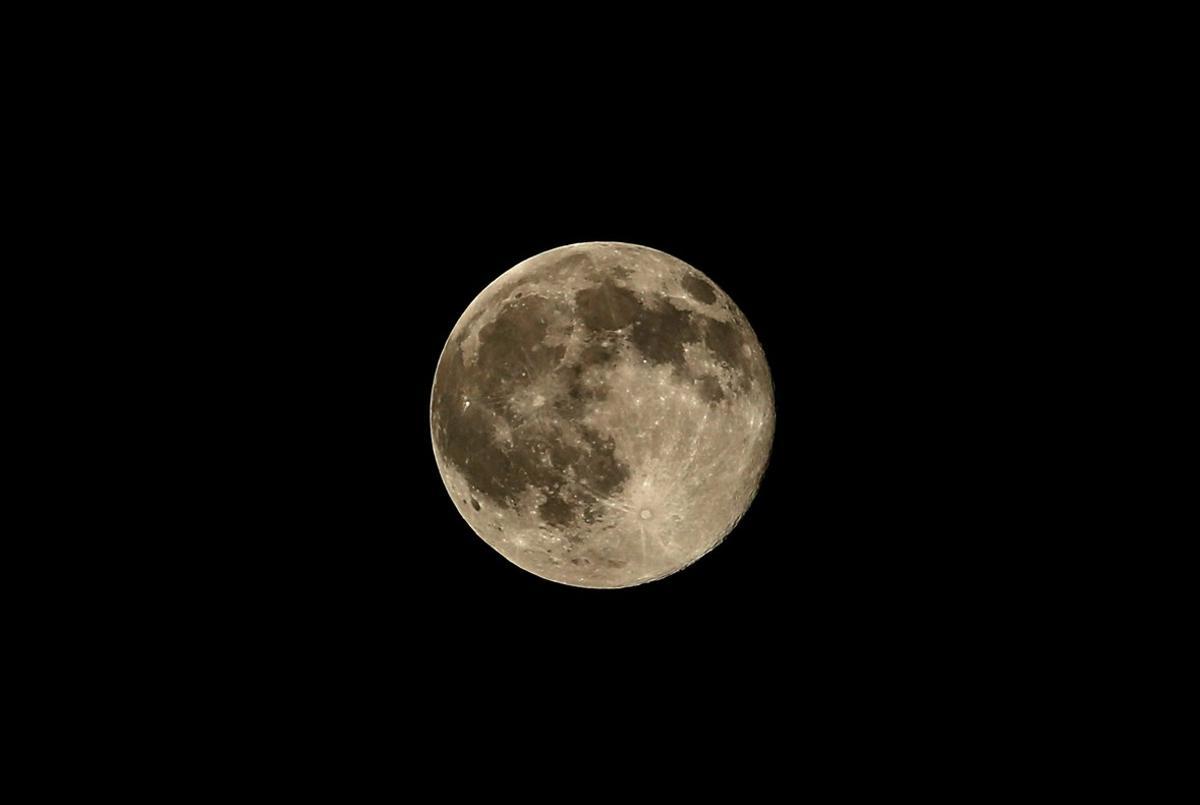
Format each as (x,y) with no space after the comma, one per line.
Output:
(602,414)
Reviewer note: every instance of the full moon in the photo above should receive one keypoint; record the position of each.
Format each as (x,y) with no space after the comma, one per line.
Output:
(602,415)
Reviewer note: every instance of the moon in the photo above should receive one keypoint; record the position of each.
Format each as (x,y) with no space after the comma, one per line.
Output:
(602,415)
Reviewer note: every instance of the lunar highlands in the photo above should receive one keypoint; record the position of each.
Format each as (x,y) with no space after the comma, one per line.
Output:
(602,415)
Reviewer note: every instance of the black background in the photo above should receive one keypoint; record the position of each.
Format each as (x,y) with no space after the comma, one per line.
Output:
(307,228)
(349,251)
(846,537)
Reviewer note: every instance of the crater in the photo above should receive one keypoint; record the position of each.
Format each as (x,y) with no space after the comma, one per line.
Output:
(699,289)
